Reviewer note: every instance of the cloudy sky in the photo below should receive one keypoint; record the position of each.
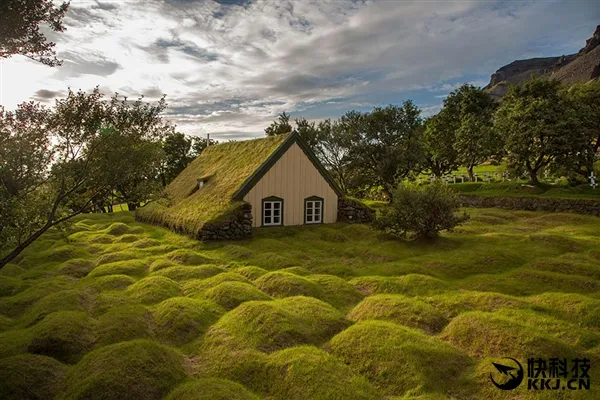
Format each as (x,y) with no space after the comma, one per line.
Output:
(229,67)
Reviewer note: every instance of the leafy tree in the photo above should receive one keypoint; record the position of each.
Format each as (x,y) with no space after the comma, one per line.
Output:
(332,148)
(421,212)
(56,164)
(199,144)
(309,131)
(280,126)
(177,150)
(468,112)
(585,100)
(20,22)
(439,137)
(386,144)
(538,124)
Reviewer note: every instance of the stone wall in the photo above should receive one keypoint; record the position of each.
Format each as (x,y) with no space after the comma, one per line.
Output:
(580,206)
(236,226)
(353,211)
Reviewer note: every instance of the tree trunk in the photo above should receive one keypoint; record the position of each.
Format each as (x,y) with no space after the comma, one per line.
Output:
(387,193)
(470,173)
(10,256)
(132,206)
(533,178)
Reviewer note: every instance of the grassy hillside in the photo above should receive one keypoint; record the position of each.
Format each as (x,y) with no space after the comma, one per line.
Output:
(123,310)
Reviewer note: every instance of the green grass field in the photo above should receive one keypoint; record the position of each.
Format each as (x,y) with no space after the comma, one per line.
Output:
(123,310)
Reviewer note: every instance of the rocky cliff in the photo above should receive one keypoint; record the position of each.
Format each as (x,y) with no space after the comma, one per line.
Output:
(573,68)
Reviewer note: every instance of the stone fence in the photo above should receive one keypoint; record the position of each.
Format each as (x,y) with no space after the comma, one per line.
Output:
(580,206)
(353,211)
(235,226)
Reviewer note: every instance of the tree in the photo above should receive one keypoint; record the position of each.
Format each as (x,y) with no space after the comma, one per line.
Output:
(421,212)
(280,126)
(386,144)
(439,140)
(538,125)
(199,144)
(585,100)
(332,148)
(308,131)
(177,150)
(20,22)
(468,112)
(54,166)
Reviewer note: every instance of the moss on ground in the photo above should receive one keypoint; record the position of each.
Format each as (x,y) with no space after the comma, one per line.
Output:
(306,372)
(188,257)
(123,323)
(401,361)
(284,284)
(30,376)
(211,389)
(273,325)
(138,369)
(77,267)
(184,273)
(229,295)
(64,300)
(180,319)
(251,272)
(135,268)
(64,335)
(117,256)
(337,291)
(410,285)
(401,310)
(197,287)
(153,289)
(109,282)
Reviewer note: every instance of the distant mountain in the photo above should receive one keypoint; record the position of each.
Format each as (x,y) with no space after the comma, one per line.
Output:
(573,68)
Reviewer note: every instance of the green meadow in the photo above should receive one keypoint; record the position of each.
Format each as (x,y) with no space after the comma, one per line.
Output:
(116,309)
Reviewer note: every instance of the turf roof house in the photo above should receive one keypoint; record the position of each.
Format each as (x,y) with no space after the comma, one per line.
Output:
(232,187)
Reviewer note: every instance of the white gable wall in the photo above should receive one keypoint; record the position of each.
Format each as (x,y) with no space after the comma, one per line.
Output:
(293,178)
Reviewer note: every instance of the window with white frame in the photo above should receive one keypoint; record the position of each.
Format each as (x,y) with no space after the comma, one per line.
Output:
(313,211)
(272,212)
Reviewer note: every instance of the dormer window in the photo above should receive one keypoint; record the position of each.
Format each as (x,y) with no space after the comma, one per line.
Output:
(201,183)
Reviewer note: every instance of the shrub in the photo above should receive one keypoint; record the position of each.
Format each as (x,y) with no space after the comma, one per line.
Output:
(211,389)
(139,369)
(180,319)
(421,212)
(30,376)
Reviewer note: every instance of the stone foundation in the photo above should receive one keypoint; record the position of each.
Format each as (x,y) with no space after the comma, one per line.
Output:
(579,206)
(353,211)
(234,227)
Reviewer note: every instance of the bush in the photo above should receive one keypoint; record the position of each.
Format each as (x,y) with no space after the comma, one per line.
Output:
(421,212)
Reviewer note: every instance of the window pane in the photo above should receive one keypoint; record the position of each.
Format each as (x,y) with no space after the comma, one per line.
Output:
(276,205)
(317,204)
(267,205)
(276,220)
(267,220)
(309,218)
(267,213)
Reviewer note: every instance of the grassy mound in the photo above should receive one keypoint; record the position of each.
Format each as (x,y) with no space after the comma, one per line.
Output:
(145,243)
(180,319)
(229,295)
(117,256)
(573,307)
(161,263)
(410,285)
(139,369)
(64,300)
(251,272)
(197,287)
(183,273)
(135,268)
(119,228)
(284,284)
(124,323)
(55,254)
(211,389)
(484,334)
(5,322)
(401,310)
(307,372)
(29,376)
(15,305)
(153,289)
(337,291)
(274,325)
(188,257)
(110,282)
(400,360)
(11,270)
(78,267)
(454,303)
(64,335)
(296,271)
(10,286)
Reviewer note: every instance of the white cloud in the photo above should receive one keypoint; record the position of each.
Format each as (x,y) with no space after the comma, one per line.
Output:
(229,69)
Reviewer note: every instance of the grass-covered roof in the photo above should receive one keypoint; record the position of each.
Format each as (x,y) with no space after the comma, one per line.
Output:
(224,167)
